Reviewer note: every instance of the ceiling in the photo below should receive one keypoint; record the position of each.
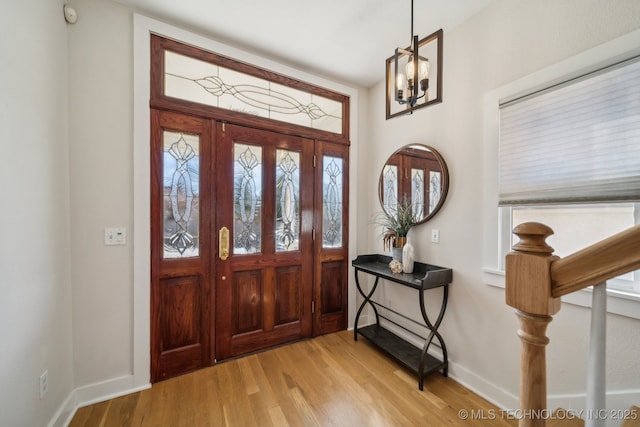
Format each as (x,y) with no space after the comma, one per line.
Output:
(344,39)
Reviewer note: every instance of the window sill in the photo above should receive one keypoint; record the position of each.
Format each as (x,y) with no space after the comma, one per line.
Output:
(618,302)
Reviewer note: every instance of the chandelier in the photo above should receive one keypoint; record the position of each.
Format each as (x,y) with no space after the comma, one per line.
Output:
(408,73)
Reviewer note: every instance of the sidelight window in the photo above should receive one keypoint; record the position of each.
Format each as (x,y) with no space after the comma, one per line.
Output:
(332,196)
(181,218)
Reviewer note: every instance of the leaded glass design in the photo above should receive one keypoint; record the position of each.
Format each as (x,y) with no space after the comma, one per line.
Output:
(287,201)
(332,195)
(435,189)
(247,205)
(417,192)
(181,171)
(390,188)
(205,83)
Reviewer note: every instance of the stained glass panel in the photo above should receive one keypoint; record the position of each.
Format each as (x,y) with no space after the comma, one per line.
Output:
(247,194)
(205,83)
(390,188)
(417,192)
(287,200)
(435,189)
(332,196)
(181,195)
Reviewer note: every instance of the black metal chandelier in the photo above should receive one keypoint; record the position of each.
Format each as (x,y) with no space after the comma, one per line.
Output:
(413,81)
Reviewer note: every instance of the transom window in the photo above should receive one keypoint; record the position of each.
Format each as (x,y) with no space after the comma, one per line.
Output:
(238,90)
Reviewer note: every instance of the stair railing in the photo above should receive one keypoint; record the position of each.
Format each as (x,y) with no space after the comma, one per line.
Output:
(536,279)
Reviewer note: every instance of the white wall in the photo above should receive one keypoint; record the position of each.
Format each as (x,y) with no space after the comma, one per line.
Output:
(509,40)
(35,304)
(101,172)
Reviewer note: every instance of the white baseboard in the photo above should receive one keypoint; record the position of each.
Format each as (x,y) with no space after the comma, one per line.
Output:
(94,393)
(498,396)
(617,401)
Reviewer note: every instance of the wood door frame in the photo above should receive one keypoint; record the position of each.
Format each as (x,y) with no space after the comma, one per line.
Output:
(158,101)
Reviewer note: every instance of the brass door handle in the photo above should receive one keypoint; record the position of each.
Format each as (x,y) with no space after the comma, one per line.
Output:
(223,243)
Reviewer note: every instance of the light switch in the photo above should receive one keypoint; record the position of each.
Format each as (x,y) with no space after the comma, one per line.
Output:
(435,235)
(115,236)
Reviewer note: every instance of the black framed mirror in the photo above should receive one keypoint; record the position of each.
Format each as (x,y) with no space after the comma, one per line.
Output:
(415,174)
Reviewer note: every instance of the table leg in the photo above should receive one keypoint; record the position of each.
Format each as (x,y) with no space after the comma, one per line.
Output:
(367,299)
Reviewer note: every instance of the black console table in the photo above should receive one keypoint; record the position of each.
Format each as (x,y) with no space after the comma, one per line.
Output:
(424,277)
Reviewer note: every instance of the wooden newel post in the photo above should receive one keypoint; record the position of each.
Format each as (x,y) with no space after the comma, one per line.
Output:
(528,290)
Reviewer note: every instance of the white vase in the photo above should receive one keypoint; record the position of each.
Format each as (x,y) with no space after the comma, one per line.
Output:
(407,258)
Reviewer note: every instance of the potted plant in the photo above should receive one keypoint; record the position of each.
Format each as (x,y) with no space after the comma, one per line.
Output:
(396,225)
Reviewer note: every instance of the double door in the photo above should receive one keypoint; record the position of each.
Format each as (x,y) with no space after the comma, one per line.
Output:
(248,240)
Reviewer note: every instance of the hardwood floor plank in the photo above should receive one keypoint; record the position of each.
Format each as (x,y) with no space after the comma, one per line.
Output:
(90,415)
(275,376)
(277,417)
(122,410)
(326,381)
(247,376)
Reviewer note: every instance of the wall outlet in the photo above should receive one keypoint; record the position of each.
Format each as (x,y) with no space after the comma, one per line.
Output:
(435,235)
(115,236)
(44,383)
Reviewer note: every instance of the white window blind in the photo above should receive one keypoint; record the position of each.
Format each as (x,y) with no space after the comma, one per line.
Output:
(575,142)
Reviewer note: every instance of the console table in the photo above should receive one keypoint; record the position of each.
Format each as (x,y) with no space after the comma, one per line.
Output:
(424,277)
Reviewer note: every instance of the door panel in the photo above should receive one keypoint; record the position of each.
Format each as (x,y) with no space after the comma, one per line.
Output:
(180,297)
(288,298)
(246,290)
(264,289)
(180,244)
(333,284)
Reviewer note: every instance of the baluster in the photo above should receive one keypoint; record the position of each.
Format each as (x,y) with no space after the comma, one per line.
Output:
(596,367)
(528,290)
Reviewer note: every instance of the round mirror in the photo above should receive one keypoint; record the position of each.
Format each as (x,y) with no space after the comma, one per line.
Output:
(416,176)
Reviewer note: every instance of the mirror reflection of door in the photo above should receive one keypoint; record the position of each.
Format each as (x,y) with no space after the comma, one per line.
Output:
(415,175)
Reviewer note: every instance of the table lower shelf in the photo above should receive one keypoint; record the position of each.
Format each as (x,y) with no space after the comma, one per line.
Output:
(405,353)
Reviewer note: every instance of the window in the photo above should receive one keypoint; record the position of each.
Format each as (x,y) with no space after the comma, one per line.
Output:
(569,157)
(578,226)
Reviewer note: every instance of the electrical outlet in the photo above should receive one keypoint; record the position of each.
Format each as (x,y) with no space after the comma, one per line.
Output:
(44,383)
(435,235)
(115,236)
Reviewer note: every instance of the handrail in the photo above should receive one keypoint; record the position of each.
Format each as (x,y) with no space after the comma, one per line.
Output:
(597,263)
(535,280)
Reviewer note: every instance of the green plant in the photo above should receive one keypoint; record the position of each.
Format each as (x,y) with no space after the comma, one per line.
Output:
(396,224)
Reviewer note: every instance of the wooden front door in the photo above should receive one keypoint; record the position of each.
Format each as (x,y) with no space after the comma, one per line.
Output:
(264,264)
(249,240)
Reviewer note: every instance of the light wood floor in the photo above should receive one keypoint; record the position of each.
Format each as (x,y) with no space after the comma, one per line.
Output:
(326,381)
